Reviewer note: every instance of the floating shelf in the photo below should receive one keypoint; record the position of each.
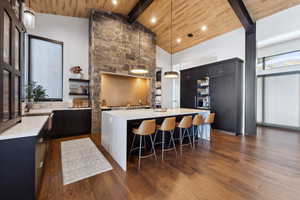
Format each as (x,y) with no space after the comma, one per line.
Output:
(79,80)
(78,94)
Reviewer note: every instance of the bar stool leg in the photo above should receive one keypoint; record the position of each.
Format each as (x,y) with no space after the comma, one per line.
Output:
(193,136)
(180,132)
(163,145)
(132,144)
(140,151)
(153,147)
(172,138)
(189,136)
(199,133)
(155,136)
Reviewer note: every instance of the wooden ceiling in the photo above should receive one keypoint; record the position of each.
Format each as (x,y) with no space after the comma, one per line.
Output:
(80,8)
(262,8)
(188,16)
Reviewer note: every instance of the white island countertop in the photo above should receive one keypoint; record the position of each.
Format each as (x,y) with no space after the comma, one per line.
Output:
(115,128)
(30,126)
(150,113)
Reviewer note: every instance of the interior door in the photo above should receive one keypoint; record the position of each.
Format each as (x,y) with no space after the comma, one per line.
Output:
(188,91)
(222,102)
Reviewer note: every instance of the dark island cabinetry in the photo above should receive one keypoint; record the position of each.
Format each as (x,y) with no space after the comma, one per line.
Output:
(225,92)
(71,123)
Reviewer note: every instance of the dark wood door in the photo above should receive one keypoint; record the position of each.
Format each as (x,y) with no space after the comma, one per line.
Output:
(188,90)
(223,102)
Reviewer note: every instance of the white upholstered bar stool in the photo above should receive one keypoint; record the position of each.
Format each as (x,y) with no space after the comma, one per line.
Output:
(168,125)
(146,128)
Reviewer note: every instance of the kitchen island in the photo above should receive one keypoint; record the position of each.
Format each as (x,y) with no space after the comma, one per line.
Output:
(116,124)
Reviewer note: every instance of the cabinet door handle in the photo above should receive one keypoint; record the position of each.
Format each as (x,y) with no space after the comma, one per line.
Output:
(195,101)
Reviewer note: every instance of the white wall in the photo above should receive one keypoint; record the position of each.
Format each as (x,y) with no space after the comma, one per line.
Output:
(279,33)
(74,32)
(163,60)
(226,46)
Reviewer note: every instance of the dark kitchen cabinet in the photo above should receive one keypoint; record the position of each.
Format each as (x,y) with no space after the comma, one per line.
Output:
(22,165)
(225,89)
(71,123)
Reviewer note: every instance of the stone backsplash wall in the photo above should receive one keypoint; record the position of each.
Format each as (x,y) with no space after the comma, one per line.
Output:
(114,48)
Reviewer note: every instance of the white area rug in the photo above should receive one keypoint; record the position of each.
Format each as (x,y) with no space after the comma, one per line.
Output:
(81,159)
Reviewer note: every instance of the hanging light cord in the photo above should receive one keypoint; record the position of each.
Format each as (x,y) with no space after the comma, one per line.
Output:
(139,40)
(139,48)
(171,35)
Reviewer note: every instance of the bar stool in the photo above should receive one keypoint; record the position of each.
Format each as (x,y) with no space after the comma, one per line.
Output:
(185,124)
(146,128)
(209,120)
(168,125)
(197,122)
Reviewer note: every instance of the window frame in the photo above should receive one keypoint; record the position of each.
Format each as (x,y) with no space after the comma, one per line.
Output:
(15,23)
(30,37)
(275,55)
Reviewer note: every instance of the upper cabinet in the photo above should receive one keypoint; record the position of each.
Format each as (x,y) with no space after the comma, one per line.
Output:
(11,59)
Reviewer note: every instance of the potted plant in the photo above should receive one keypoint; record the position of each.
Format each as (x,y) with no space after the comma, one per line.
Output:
(35,93)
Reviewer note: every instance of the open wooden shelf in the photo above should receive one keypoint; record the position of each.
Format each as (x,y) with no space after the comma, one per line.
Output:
(78,94)
(79,80)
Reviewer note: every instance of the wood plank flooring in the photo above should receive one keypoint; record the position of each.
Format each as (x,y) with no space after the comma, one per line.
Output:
(263,167)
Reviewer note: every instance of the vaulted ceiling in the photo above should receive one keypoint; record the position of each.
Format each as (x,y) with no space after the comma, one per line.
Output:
(189,16)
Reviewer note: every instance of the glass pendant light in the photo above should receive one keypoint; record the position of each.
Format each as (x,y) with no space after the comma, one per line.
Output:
(171,74)
(139,69)
(29,18)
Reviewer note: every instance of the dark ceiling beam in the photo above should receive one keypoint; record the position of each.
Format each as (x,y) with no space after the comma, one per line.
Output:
(242,13)
(138,9)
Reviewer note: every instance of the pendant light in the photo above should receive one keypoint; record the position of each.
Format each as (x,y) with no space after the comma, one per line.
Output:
(171,74)
(29,17)
(139,69)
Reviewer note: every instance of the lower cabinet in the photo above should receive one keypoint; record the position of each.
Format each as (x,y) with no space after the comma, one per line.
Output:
(41,150)
(21,166)
(70,123)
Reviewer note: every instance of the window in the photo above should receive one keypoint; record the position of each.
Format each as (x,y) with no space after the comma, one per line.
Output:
(278,97)
(46,66)
(11,63)
(289,59)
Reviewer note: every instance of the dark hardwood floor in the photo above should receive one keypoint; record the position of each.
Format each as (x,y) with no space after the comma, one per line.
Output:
(263,167)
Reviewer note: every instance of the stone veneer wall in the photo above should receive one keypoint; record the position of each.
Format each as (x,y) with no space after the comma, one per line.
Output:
(114,47)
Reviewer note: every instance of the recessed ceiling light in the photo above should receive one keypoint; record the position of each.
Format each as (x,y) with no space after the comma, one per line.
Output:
(204,28)
(153,20)
(115,2)
(178,40)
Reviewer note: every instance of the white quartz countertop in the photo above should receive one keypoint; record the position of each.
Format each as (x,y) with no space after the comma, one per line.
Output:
(30,126)
(48,111)
(150,113)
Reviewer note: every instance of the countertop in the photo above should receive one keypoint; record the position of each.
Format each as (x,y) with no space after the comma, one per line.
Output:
(124,107)
(48,111)
(150,113)
(30,126)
